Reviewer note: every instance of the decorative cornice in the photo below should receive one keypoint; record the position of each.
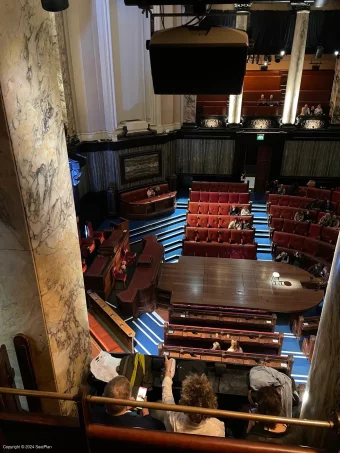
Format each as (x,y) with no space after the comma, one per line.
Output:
(242,7)
(301,5)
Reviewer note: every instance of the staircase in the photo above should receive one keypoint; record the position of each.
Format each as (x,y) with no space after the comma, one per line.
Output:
(262,231)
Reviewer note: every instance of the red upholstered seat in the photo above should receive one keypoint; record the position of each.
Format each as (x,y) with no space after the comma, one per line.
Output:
(236,251)
(213,234)
(248,236)
(275,211)
(224,250)
(190,233)
(202,234)
(192,220)
(288,226)
(212,249)
(321,194)
(233,198)
(273,198)
(196,185)
(202,221)
(287,212)
(276,223)
(295,202)
(204,196)
(200,248)
(329,235)
(205,186)
(213,208)
(193,207)
(189,248)
(119,275)
(224,221)
(336,196)
(325,251)
(281,239)
(223,197)
(214,186)
(249,251)
(223,187)
(226,235)
(243,198)
(302,228)
(194,195)
(203,208)
(224,209)
(315,230)
(284,200)
(102,337)
(310,246)
(236,236)
(296,242)
(213,197)
(213,221)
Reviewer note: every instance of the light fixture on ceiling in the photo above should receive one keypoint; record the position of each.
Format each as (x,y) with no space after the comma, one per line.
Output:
(319,52)
(337,54)
(282,53)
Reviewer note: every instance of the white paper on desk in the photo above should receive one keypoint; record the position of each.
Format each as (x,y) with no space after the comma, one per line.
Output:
(103,367)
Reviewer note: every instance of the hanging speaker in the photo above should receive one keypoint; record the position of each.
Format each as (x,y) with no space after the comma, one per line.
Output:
(54,6)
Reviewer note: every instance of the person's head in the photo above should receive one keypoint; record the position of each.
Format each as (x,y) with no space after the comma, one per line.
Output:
(276,181)
(118,387)
(297,255)
(281,186)
(216,346)
(235,344)
(269,403)
(319,106)
(306,106)
(307,212)
(328,215)
(312,108)
(197,391)
(233,207)
(271,97)
(262,96)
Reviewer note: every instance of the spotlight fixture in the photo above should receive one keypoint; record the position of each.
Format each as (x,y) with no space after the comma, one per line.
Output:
(319,52)
(282,53)
(275,277)
(265,63)
(337,54)
(264,67)
(277,58)
(54,6)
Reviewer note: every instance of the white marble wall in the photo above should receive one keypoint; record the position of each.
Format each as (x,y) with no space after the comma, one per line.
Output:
(335,96)
(28,78)
(189,108)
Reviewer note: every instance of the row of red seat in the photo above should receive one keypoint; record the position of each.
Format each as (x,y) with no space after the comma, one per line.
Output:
(286,212)
(217,250)
(214,221)
(219,235)
(100,335)
(310,260)
(336,196)
(312,192)
(214,208)
(313,230)
(218,197)
(307,245)
(220,186)
(292,201)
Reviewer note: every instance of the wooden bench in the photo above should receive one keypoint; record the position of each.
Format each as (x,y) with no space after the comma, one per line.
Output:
(304,326)
(221,317)
(114,322)
(308,346)
(203,337)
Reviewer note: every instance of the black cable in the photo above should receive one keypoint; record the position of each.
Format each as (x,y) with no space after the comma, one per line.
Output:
(162,17)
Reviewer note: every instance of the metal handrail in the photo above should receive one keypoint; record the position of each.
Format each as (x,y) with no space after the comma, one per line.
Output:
(170,407)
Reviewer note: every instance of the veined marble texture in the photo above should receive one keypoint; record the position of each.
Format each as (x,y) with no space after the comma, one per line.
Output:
(28,77)
(335,96)
(189,108)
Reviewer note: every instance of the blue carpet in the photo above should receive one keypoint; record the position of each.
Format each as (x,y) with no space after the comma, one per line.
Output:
(261,240)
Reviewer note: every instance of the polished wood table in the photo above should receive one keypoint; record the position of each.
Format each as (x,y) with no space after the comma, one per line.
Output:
(238,283)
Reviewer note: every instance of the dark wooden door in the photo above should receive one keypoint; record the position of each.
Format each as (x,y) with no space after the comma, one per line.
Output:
(8,403)
(264,157)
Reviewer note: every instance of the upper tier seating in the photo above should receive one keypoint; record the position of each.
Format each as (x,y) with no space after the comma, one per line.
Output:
(100,335)
(220,235)
(308,246)
(220,250)
(291,200)
(305,326)
(214,221)
(219,197)
(308,345)
(220,186)
(287,212)
(214,208)
(313,230)
(311,192)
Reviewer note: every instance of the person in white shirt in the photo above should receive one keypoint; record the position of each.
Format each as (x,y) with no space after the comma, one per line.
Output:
(318,110)
(245,211)
(305,110)
(197,392)
(235,347)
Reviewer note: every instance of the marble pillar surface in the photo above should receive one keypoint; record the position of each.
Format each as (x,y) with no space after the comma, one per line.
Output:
(323,386)
(295,68)
(189,106)
(28,78)
(335,96)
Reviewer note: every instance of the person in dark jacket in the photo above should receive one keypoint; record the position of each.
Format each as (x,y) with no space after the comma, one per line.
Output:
(122,416)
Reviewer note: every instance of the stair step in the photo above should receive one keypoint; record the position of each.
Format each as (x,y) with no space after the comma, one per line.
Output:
(173,221)
(157,223)
(260,249)
(171,258)
(175,247)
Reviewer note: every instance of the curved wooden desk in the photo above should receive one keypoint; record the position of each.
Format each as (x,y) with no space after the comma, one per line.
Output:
(239,283)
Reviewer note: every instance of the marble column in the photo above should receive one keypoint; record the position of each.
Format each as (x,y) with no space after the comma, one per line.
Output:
(335,96)
(189,109)
(295,67)
(323,386)
(41,283)
(235,101)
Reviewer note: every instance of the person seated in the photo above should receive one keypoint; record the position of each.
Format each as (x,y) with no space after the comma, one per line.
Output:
(318,111)
(216,346)
(298,260)
(235,347)
(313,204)
(196,391)
(197,236)
(283,257)
(325,273)
(262,100)
(150,192)
(311,183)
(325,205)
(308,217)
(316,270)
(235,225)
(219,237)
(335,222)
(271,101)
(269,402)
(157,190)
(293,189)
(312,110)
(234,210)
(299,216)
(123,266)
(123,416)
(281,190)
(273,186)
(245,211)
(246,225)
(305,110)
(326,220)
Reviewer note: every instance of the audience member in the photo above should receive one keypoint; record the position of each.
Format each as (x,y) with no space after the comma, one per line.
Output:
(318,110)
(316,269)
(312,110)
(157,190)
(293,189)
(246,225)
(298,260)
(235,225)
(273,186)
(122,416)
(281,190)
(123,266)
(326,220)
(269,402)
(271,101)
(305,110)
(235,346)
(283,257)
(325,273)
(150,192)
(196,391)
(197,236)
(311,183)
(335,222)
(216,346)
(308,217)
(245,211)
(325,205)
(234,210)
(313,204)
(262,100)
(299,216)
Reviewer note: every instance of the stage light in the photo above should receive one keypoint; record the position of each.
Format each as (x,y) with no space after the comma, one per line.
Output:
(336,53)
(319,52)
(266,63)
(54,6)
(277,58)
(282,53)
(264,67)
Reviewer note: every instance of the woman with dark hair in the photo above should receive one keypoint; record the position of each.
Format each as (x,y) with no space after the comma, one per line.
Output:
(269,403)
(197,392)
